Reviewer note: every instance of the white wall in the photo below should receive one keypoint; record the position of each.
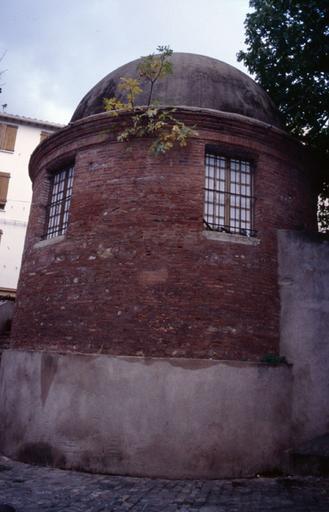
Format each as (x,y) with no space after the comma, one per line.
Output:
(13,219)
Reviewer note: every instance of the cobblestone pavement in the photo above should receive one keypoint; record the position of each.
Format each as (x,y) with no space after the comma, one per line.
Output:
(32,489)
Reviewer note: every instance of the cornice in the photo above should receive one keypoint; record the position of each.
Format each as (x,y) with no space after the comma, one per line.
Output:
(29,121)
(102,128)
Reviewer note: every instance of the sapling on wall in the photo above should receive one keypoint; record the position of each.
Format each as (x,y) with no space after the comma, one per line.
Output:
(150,120)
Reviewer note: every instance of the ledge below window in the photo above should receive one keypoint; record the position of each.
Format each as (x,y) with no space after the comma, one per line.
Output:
(49,241)
(230,238)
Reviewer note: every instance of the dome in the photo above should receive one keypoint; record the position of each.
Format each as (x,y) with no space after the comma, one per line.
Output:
(197,81)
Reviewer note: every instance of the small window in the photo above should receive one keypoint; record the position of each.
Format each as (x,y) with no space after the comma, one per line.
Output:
(7,137)
(59,204)
(229,201)
(4,182)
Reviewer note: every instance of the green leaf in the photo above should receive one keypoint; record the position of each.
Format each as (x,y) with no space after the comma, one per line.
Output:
(287,51)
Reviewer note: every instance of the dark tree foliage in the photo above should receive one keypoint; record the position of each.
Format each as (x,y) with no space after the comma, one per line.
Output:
(288,53)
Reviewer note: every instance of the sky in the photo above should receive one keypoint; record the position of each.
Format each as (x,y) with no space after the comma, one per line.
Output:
(55,51)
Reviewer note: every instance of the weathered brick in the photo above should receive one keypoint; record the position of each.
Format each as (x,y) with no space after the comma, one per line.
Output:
(134,274)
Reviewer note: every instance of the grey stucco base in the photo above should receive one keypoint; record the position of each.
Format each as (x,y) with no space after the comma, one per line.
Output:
(304,280)
(173,418)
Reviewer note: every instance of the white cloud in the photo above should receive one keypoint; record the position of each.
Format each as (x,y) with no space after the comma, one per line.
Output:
(56,51)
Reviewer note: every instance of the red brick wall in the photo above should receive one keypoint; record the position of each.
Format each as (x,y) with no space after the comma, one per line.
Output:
(135,274)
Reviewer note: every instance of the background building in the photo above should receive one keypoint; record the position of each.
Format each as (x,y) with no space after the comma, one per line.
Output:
(19,136)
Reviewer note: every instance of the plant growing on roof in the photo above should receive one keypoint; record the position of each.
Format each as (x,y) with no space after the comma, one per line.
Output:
(154,67)
(150,121)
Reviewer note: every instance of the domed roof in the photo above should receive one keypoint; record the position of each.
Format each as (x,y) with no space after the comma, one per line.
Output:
(196,81)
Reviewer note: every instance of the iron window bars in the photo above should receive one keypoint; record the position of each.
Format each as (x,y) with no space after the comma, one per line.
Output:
(59,205)
(229,203)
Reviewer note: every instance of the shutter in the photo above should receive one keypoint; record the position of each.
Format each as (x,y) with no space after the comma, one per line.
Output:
(4,182)
(44,135)
(2,135)
(10,138)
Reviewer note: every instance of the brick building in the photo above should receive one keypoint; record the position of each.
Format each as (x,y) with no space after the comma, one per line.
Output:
(150,284)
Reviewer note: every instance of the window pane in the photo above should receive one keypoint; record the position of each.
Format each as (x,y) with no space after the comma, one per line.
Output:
(58,211)
(228,195)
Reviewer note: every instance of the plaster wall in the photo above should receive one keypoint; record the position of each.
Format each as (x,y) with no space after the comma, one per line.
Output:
(14,217)
(304,282)
(141,416)
(11,250)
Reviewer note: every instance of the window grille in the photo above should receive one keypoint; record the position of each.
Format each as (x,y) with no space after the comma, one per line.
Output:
(59,205)
(229,203)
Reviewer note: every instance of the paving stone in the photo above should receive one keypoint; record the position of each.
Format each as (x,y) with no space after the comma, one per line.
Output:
(4,507)
(29,488)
